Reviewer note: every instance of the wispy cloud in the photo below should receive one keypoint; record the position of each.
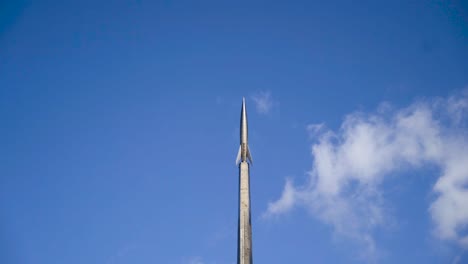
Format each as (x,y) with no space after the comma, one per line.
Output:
(263,102)
(121,253)
(456,260)
(284,204)
(345,184)
(195,260)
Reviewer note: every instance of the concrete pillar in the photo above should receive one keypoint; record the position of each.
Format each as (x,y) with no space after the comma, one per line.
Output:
(245,228)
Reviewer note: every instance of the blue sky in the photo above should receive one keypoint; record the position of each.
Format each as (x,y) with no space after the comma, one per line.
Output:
(120,131)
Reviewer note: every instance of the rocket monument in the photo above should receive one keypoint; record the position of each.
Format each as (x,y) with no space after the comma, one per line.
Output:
(244,160)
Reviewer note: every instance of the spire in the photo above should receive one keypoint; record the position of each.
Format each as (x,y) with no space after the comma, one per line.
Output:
(244,247)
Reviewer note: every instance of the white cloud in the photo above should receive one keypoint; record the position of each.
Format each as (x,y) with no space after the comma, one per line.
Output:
(285,203)
(263,102)
(315,129)
(195,260)
(349,166)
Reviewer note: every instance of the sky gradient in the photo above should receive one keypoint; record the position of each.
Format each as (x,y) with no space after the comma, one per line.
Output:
(120,129)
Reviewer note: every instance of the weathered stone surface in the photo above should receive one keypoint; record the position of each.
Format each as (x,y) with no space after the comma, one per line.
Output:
(245,228)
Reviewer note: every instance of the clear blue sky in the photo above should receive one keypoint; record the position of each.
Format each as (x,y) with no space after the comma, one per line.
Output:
(119,130)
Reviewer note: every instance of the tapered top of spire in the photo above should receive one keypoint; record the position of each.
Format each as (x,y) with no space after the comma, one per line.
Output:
(243,123)
(244,152)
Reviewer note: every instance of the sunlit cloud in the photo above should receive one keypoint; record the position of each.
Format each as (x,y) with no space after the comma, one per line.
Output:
(263,102)
(344,188)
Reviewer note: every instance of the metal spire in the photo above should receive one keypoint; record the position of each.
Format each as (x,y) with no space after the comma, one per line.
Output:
(244,159)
